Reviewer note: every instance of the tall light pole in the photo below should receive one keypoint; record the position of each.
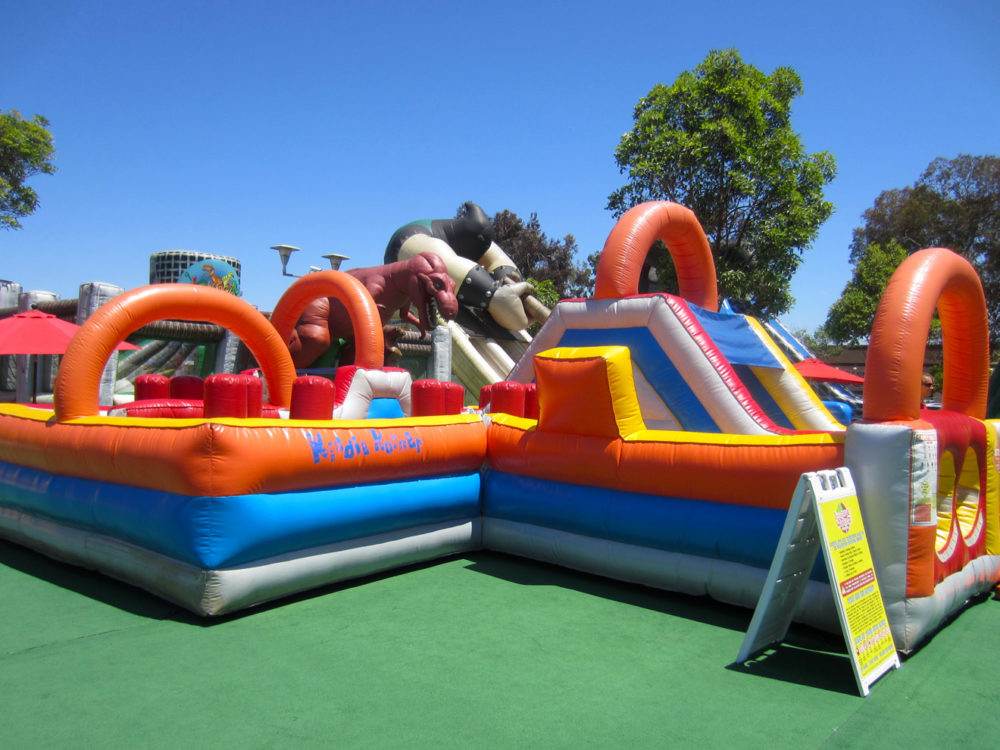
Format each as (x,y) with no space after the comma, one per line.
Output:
(336,259)
(285,251)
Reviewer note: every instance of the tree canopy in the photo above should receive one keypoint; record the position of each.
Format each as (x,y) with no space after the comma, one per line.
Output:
(850,318)
(719,140)
(536,256)
(547,263)
(25,150)
(955,204)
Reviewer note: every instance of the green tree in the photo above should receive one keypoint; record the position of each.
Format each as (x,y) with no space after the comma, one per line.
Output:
(720,141)
(25,150)
(536,255)
(584,276)
(850,318)
(545,292)
(955,204)
(819,343)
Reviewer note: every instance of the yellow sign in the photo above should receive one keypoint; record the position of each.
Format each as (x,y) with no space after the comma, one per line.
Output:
(825,513)
(852,574)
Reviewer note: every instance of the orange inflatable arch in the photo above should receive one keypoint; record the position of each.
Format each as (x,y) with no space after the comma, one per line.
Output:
(79,378)
(369,343)
(629,242)
(935,277)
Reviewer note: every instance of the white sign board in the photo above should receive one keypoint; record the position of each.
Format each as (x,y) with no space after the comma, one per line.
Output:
(825,515)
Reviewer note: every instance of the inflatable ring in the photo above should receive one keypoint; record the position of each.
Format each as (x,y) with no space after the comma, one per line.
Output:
(930,278)
(629,242)
(79,379)
(369,343)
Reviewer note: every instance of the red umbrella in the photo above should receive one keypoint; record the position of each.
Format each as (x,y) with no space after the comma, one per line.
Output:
(35,332)
(813,369)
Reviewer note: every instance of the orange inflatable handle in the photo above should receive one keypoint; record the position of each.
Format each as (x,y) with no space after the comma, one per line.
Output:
(935,277)
(79,378)
(369,343)
(629,242)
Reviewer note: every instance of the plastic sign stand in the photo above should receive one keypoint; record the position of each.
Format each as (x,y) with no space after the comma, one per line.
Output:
(825,514)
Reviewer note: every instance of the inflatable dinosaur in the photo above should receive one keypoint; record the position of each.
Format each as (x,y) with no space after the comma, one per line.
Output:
(486,279)
(421,281)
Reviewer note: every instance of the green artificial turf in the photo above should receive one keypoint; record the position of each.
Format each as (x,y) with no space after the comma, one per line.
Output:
(478,651)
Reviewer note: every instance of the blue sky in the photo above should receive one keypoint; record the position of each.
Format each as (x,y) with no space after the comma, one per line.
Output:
(229,127)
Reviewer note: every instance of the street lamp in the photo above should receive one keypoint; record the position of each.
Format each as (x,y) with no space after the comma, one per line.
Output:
(336,259)
(285,251)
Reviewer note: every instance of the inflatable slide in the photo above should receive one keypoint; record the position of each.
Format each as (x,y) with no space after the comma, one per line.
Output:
(653,439)
(695,369)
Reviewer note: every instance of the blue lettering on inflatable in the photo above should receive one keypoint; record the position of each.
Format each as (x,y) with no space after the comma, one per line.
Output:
(353,447)
(395,443)
(319,450)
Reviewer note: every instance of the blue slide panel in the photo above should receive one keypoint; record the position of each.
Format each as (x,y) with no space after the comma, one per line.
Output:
(737,533)
(656,367)
(214,532)
(735,338)
(762,396)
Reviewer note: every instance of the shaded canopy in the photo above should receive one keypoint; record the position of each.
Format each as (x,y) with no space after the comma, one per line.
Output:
(813,369)
(35,332)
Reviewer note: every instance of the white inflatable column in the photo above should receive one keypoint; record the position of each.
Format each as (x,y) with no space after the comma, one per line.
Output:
(440,364)
(22,362)
(9,292)
(93,294)
(895,473)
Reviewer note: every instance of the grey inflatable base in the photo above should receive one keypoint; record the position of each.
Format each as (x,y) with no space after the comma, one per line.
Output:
(879,457)
(216,592)
(915,620)
(728,582)
(912,620)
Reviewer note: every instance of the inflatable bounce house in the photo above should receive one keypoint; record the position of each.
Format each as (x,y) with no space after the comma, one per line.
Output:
(650,438)
(217,500)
